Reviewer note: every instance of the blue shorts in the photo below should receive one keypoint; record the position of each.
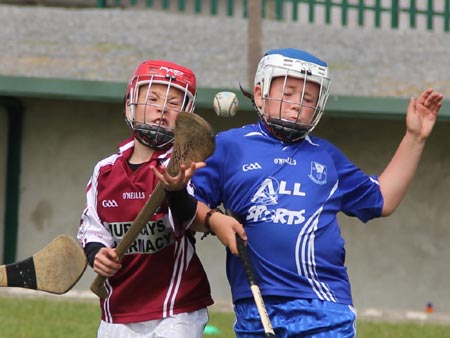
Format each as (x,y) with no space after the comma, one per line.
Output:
(296,318)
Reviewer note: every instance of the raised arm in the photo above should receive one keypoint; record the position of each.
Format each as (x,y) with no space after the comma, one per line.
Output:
(397,176)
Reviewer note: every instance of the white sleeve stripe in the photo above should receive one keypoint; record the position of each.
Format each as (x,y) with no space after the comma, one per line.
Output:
(305,258)
(106,304)
(172,291)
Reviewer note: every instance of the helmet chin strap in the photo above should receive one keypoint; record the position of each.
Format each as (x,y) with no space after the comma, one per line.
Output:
(152,136)
(155,137)
(286,131)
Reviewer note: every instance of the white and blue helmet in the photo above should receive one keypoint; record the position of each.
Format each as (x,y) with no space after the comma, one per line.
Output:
(290,62)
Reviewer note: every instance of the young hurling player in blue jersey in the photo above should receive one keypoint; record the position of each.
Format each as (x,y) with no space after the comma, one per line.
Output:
(287,187)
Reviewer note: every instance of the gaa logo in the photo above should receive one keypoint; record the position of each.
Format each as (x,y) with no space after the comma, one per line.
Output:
(251,166)
(109,204)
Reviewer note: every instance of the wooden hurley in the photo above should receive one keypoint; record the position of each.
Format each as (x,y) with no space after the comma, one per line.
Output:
(55,269)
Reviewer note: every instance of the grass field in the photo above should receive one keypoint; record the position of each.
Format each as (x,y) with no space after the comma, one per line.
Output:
(43,318)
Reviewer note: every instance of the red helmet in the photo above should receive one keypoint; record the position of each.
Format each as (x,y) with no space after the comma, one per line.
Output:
(158,72)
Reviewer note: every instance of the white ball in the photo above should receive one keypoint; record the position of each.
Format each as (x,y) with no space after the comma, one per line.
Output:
(226,104)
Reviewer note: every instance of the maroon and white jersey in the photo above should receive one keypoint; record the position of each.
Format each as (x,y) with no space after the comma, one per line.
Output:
(161,275)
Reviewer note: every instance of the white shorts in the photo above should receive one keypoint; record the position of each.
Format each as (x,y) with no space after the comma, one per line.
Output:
(183,325)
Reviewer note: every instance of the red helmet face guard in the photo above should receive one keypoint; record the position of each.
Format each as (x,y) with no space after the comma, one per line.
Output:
(158,72)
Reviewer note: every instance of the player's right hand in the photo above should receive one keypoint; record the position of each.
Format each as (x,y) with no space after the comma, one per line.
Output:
(180,180)
(226,227)
(106,262)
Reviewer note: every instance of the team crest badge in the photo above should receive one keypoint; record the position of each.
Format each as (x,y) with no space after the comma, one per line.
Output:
(318,173)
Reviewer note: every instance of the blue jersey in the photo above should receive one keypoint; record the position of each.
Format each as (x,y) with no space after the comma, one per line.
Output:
(289,196)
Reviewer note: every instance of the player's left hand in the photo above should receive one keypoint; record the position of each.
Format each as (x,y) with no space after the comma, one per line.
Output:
(179,181)
(422,113)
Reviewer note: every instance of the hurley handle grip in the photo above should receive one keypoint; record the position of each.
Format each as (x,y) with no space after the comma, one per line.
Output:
(98,286)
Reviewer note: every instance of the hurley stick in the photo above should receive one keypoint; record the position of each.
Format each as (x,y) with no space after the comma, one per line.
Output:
(254,287)
(194,142)
(56,268)
(251,277)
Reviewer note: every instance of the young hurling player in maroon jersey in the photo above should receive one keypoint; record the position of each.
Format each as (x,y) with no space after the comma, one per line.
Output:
(159,288)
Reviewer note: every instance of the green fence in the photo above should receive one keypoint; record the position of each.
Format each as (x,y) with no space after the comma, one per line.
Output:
(431,14)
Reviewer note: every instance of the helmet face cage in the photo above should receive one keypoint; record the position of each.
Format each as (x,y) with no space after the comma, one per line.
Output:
(148,73)
(289,63)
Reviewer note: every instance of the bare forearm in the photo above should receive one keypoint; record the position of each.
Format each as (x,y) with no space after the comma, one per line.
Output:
(199,221)
(396,178)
